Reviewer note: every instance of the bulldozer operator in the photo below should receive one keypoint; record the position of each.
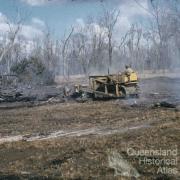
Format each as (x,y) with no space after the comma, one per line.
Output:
(128,71)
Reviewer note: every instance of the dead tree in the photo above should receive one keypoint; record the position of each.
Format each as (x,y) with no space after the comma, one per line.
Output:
(48,50)
(108,21)
(65,43)
(161,31)
(12,35)
(89,45)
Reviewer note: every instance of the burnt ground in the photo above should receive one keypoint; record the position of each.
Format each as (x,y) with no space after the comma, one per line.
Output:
(91,140)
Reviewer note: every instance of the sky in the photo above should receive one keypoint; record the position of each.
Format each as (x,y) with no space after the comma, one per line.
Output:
(60,15)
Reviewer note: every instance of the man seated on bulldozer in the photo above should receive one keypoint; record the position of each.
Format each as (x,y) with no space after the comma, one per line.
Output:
(128,71)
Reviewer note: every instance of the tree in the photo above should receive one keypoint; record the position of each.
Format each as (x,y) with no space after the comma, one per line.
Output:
(108,21)
(65,44)
(163,28)
(12,35)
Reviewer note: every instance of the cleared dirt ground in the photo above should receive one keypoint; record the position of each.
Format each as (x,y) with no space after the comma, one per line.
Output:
(92,140)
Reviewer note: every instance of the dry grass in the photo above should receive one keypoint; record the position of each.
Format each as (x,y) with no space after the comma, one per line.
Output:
(84,157)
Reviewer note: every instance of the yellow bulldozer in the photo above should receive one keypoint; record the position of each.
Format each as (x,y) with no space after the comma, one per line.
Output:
(119,85)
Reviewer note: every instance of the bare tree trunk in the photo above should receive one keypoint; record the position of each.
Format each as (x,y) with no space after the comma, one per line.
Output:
(109,20)
(64,53)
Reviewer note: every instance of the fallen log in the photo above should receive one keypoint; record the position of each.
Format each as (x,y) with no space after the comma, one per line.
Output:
(165,104)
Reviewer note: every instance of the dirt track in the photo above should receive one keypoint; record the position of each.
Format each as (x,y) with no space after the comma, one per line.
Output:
(89,140)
